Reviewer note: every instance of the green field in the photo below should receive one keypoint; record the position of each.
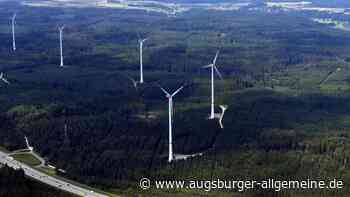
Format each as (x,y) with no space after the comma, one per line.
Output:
(27,159)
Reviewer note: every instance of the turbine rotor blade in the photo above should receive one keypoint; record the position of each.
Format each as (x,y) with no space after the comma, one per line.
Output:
(207,66)
(223,107)
(216,57)
(134,82)
(5,80)
(130,78)
(165,92)
(177,91)
(217,72)
(138,36)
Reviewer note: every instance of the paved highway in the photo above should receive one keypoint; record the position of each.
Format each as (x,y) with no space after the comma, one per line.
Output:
(42,177)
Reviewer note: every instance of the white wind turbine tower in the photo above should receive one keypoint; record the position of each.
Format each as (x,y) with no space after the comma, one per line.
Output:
(13,22)
(171,110)
(213,69)
(30,148)
(61,43)
(141,41)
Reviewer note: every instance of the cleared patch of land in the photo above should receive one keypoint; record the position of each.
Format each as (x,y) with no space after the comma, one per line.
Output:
(27,159)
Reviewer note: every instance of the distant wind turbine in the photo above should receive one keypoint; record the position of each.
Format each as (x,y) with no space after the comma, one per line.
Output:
(61,43)
(66,138)
(141,41)
(2,78)
(13,22)
(171,110)
(213,67)
(223,109)
(329,75)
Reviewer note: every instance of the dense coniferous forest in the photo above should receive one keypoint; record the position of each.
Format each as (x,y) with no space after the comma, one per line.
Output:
(283,120)
(14,183)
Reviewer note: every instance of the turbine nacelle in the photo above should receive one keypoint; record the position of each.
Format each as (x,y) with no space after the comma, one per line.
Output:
(61,28)
(168,95)
(13,18)
(213,65)
(141,41)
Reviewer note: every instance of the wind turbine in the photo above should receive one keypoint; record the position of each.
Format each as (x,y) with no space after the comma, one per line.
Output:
(66,138)
(30,148)
(141,41)
(13,21)
(223,109)
(65,130)
(330,75)
(134,82)
(2,78)
(171,110)
(61,43)
(213,69)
